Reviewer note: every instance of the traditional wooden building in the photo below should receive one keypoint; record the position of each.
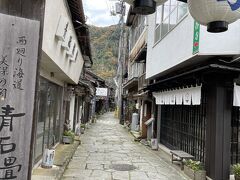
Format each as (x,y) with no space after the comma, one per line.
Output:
(65,53)
(193,76)
(136,98)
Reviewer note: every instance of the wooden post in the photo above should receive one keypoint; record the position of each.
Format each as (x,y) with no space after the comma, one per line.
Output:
(34,10)
(159,111)
(218,126)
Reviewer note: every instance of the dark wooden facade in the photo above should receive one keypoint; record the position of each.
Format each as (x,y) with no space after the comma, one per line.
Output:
(212,119)
(30,9)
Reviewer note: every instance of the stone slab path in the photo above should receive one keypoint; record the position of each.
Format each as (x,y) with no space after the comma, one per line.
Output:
(107,145)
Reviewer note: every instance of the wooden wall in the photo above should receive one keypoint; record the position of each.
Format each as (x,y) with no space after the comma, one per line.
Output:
(30,9)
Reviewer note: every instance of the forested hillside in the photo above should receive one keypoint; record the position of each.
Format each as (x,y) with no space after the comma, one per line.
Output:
(104,42)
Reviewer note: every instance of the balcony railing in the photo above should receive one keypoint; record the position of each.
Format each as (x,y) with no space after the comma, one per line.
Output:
(142,82)
(137,31)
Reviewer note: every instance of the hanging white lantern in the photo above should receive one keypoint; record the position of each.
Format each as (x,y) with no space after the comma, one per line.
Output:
(145,7)
(215,14)
(158,2)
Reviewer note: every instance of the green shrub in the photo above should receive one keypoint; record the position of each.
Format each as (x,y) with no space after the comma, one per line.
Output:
(194,165)
(83,126)
(236,170)
(69,133)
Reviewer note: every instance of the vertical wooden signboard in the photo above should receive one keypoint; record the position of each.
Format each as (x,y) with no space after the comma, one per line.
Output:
(18,63)
(196,36)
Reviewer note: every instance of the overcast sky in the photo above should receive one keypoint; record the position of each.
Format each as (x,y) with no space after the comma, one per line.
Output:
(98,12)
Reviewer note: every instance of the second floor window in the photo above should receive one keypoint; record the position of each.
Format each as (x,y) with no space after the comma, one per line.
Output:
(136,30)
(167,17)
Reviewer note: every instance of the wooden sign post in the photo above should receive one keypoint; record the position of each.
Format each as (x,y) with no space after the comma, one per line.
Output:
(19,40)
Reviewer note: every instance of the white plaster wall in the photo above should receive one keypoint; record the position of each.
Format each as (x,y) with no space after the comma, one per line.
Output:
(47,76)
(176,47)
(71,111)
(52,47)
(220,43)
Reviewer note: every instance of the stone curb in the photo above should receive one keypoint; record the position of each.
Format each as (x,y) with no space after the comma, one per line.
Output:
(68,159)
(63,156)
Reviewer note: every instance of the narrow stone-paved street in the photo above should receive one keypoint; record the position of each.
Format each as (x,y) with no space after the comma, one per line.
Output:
(105,146)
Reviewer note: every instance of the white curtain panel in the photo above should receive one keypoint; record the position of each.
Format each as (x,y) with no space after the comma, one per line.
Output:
(167,97)
(156,95)
(236,95)
(196,95)
(172,95)
(179,97)
(161,99)
(187,96)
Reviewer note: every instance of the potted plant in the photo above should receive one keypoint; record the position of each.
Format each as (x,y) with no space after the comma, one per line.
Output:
(82,128)
(68,137)
(236,171)
(194,169)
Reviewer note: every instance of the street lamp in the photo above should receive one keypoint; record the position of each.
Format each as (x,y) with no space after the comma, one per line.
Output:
(144,7)
(215,14)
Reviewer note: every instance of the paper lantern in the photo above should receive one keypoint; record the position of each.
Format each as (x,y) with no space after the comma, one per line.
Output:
(215,14)
(145,7)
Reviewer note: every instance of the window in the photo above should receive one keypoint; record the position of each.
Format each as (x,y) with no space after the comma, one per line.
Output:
(136,30)
(182,10)
(158,15)
(184,128)
(168,16)
(49,115)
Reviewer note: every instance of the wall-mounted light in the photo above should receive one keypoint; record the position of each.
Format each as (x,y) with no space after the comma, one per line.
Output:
(2,98)
(52,74)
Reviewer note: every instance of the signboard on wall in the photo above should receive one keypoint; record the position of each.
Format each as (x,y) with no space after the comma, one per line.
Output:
(65,35)
(18,65)
(196,35)
(101,92)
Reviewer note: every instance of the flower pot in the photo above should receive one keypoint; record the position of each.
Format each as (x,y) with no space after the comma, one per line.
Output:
(67,140)
(195,175)
(82,130)
(236,177)
(189,172)
(200,175)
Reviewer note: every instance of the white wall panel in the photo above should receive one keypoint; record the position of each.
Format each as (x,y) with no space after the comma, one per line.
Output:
(176,47)
(52,45)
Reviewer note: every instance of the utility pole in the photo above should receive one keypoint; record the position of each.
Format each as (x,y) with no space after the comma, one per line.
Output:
(121,60)
(27,18)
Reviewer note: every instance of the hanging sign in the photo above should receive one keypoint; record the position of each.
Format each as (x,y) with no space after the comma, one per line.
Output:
(18,69)
(102,92)
(196,35)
